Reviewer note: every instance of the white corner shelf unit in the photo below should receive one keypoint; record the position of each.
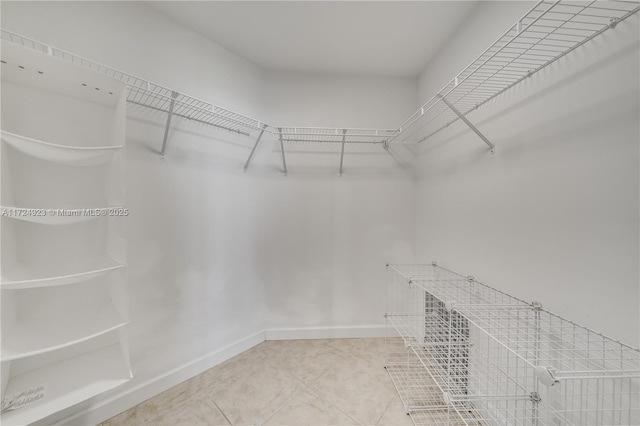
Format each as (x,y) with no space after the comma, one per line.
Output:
(63,284)
(546,33)
(465,353)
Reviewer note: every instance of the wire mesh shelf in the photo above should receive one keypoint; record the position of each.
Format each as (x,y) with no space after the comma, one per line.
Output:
(331,135)
(549,31)
(154,96)
(492,358)
(162,99)
(546,33)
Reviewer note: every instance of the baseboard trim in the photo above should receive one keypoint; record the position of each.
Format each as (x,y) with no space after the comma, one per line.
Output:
(103,410)
(361,331)
(96,411)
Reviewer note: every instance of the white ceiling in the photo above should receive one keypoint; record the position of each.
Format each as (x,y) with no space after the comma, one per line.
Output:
(382,38)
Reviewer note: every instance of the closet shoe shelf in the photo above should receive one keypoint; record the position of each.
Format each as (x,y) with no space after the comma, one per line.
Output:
(64,308)
(73,155)
(20,277)
(69,382)
(28,339)
(546,33)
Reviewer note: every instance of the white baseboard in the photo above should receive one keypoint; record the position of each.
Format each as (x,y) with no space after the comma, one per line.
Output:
(96,411)
(360,331)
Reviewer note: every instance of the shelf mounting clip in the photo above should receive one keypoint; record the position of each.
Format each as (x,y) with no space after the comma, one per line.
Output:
(174,95)
(461,116)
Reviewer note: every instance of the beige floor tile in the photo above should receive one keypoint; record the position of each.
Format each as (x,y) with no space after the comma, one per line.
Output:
(347,385)
(395,414)
(256,393)
(195,412)
(360,389)
(309,408)
(274,349)
(233,366)
(176,396)
(307,360)
(158,405)
(372,350)
(137,415)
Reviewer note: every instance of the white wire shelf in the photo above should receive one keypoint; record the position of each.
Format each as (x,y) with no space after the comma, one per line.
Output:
(329,135)
(455,289)
(546,33)
(154,96)
(162,99)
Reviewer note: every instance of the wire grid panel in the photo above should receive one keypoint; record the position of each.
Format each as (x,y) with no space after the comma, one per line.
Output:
(413,383)
(470,366)
(420,396)
(591,379)
(514,363)
(591,401)
(454,288)
(547,32)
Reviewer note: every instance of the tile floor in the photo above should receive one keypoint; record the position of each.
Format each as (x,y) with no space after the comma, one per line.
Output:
(286,382)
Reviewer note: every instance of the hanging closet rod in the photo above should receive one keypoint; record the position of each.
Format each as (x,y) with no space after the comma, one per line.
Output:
(546,33)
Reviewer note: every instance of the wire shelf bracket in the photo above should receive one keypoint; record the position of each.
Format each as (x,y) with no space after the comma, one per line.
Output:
(344,136)
(492,147)
(255,145)
(174,95)
(284,161)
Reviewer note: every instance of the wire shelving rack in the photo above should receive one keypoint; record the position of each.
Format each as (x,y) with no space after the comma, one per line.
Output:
(159,98)
(467,353)
(546,33)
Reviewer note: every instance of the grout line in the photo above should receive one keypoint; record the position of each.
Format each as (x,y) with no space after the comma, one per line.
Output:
(287,402)
(385,410)
(221,412)
(360,359)
(321,395)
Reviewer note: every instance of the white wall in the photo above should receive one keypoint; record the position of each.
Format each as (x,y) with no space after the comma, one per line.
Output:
(553,215)
(216,255)
(141,41)
(347,227)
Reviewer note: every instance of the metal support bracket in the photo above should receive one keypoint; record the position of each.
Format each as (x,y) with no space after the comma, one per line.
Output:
(284,162)
(174,95)
(344,136)
(468,123)
(255,145)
